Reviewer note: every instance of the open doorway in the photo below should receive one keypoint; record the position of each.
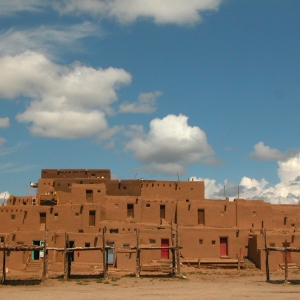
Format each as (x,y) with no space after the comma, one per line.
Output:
(37,254)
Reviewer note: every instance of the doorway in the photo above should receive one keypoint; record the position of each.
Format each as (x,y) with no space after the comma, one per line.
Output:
(37,254)
(110,254)
(164,252)
(223,246)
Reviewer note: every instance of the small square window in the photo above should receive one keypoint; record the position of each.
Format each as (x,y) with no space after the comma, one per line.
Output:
(55,215)
(272,244)
(148,205)
(126,246)
(152,241)
(77,214)
(13,217)
(87,245)
(213,242)
(200,241)
(254,213)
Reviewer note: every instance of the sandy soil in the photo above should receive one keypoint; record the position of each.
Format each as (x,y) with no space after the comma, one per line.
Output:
(204,284)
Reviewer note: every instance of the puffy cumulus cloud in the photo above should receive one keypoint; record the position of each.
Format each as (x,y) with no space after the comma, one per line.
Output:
(47,39)
(125,11)
(4,122)
(2,141)
(3,197)
(266,153)
(146,104)
(66,101)
(170,142)
(286,191)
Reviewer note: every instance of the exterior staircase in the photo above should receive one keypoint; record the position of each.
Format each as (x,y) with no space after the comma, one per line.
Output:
(33,266)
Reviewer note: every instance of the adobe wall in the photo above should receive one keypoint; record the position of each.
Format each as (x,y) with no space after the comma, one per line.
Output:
(179,190)
(205,242)
(217,213)
(75,173)
(274,239)
(254,214)
(286,216)
(123,188)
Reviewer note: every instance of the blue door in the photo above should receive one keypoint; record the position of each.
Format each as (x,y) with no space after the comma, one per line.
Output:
(110,254)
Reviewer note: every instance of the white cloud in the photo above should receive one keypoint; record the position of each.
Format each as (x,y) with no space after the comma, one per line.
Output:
(67,101)
(286,191)
(170,141)
(48,40)
(3,197)
(4,122)
(125,11)
(146,104)
(9,7)
(266,153)
(2,141)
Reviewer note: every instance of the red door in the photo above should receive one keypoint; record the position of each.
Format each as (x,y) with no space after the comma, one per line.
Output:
(223,246)
(165,252)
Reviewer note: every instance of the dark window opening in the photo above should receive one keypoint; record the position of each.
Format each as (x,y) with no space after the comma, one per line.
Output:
(89,196)
(148,205)
(130,210)
(87,245)
(92,218)
(114,230)
(162,211)
(201,241)
(126,246)
(201,217)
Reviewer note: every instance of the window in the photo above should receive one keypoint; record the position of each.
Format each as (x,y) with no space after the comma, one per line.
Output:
(76,214)
(114,230)
(92,218)
(42,221)
(284,220)
(13,217)
(200,241)
(152,241)
(87,245)
(130,210)
(126,246)
(254,214)
(1,239)
(201,216)
(148,205)
(162,211)
(272,244)
(55,215)
(213,242)
(89,196)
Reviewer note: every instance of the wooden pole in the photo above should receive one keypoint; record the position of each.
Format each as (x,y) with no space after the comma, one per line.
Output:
(138,270)
(177,252)
(285,263)
(173,250)
(4,267)
(66,258)
(267,255)
(104,253)
(45,263)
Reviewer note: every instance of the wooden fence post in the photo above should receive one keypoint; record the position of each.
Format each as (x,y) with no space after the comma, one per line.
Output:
(177,251)
(45,262)
(285,263)
(104,253)
(138,270)
(66,258)
(267,254)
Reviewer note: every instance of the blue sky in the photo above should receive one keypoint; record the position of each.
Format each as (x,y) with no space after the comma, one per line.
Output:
(202,89)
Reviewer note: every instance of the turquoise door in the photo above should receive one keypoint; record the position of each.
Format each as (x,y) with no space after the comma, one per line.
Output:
(110,254)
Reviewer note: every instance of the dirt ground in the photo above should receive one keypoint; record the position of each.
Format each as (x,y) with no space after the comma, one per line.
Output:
(198,284)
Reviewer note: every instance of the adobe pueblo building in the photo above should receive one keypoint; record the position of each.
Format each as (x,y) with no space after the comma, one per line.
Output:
(82,203)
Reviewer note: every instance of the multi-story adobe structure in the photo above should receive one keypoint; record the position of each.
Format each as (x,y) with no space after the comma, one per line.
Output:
(83,202)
